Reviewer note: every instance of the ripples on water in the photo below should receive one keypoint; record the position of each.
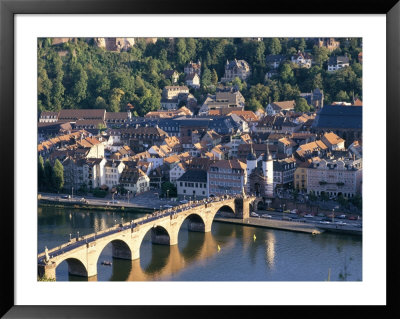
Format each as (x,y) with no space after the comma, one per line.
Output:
(273,256)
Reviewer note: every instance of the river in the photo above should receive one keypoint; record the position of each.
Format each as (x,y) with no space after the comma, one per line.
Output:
(270,255)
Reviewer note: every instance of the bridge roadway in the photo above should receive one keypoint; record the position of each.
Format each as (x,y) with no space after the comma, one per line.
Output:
(82,253)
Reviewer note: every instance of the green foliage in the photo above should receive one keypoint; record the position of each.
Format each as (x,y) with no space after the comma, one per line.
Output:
(41,175)
(91,77)
(286,73)
(45,279)
(302,105)
(99,193)
(49,176)
(320,55)
(342,96)
(58,171)
(167,187)
(357,201)
(253,105)
(121,189)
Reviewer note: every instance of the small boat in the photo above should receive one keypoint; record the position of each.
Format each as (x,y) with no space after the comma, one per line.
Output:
(219,248)
(254,237)
(106,263)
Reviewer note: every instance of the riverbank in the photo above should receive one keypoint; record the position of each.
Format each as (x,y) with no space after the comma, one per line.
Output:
(272,223)
(92,206)
(295,226)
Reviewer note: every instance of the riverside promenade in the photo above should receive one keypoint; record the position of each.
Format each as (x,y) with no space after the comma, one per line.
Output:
(273,223)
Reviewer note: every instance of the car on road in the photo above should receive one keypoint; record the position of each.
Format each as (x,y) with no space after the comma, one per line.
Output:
(183,201)
(66,196)
(342,216)
(308,216)
(270,209)
(293,211)
(266,216)
(168,206)
(340,223)
(324,222)
(253,214)
(353,218)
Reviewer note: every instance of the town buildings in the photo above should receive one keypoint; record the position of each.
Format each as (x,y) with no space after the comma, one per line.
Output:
(236,68)
(302,59)
(227,177)
(193,184)
(337,62)
(219,146)
(335,177)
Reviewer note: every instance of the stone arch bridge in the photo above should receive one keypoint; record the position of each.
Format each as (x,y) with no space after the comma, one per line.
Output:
(82,254)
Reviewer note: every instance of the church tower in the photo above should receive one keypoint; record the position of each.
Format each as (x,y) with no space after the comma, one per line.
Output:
(268,170)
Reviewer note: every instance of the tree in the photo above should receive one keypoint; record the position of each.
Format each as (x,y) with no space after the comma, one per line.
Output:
(302,105)
(253,105)
(58,171)
(41,175)
(115,99)
(214,77)
(286,73)
(168,189)
(273,46)
(79,86)
(100,103)
(182,56)
(44,88)
(239,83)
(206,78)
(261,93)
(49,175)
(342,96)
(320,55)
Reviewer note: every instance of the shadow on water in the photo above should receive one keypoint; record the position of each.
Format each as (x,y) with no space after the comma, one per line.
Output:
(121,269)
(153,257)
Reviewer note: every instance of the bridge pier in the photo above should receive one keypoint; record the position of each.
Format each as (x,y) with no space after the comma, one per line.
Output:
(47,271)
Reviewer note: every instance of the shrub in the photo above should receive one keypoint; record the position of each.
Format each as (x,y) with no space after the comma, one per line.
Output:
(99,193)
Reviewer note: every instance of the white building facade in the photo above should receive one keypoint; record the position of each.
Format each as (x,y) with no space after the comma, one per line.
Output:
(335,177)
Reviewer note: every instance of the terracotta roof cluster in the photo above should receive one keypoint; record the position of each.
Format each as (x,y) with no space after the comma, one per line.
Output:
(131,175)
(248,116)
(357,102)
(287,142)
(309,148)
(332,138)
(80,114)
(68,138)
(169,113)
(235,164)
(284,105)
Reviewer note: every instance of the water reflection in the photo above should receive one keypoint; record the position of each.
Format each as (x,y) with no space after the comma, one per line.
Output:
(270,249)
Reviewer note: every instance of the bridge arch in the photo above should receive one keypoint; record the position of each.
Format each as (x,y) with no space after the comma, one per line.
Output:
(121,248)
(196,222)
(75,266)
(226,210)
(160,234)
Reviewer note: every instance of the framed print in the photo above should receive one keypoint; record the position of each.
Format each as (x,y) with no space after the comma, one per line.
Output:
(189,157)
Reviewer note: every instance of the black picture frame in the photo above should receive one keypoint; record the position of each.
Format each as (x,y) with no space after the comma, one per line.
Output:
(9,8)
